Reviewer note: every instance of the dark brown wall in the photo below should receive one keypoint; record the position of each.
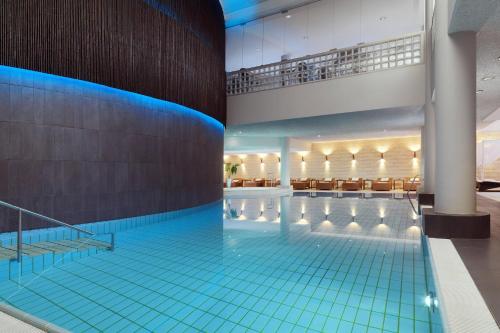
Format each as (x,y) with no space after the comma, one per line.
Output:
(170,49)
(83,153)
(80,152)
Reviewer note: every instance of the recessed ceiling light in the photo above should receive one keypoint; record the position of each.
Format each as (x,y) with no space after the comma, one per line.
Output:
(487,78)
(288,16)
(479,91)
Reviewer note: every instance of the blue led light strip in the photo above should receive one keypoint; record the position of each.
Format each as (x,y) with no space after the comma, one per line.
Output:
(24,77)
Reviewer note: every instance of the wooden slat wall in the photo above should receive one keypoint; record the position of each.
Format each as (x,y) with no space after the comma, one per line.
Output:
(168,49)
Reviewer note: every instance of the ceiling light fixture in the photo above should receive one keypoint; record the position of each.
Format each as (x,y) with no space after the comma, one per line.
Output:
(288,16)
(487,78)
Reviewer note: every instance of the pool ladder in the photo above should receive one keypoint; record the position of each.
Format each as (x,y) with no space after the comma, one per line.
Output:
(409,198)
(40,248)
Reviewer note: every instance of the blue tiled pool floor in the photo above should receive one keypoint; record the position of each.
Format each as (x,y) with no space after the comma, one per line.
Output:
(200,273)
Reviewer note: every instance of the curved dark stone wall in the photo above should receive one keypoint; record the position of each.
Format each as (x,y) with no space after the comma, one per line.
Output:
(82,152)
(169,49)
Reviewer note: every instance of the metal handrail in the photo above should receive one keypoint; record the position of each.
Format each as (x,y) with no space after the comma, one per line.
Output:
(408,195)
(359,59)
(40,216)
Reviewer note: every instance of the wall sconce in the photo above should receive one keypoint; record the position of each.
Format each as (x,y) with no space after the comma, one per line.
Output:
(353,157)
(303,158)
(261,161)
(381,156)
(353,218)
(326,158)
(326,217)
(302,216)
(381,220)
(279,159)
(241,161)
(415,155)
(261,213)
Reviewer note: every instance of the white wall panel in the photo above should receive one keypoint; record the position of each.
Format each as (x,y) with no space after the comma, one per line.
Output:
(274,34)
(234,48)
(320,27)
(346,23)
(296,32)
(252,44)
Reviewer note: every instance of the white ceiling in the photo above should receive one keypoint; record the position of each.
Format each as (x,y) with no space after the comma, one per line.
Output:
(242,11)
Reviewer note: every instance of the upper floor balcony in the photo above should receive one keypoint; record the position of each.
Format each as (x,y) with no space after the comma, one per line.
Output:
(379,75)
(336,63)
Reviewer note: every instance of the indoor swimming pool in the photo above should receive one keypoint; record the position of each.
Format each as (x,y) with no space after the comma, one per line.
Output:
(304,263)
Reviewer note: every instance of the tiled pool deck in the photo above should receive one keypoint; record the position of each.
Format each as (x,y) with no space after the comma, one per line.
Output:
(200,273)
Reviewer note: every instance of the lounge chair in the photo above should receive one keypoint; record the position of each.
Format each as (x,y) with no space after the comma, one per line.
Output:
(409,184)
(382,184)
(487,184)
(249,183)
(327,184)
(301,184)
(260,182)
(237,182)
(353,184)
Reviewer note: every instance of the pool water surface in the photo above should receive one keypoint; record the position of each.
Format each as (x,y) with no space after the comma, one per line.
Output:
(289,264)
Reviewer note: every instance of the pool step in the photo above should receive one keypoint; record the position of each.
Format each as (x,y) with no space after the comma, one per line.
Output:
(42,255)
(53,247)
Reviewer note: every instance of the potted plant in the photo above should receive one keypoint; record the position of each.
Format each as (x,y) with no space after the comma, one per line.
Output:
(231,169)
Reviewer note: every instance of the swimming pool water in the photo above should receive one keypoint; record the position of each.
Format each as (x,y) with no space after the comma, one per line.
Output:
(297,264)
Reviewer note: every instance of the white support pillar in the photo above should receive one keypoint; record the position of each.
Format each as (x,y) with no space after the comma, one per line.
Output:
(429,130)
(285,163)
(455,82)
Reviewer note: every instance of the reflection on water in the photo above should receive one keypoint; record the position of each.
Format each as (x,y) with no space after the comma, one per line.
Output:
(348,214)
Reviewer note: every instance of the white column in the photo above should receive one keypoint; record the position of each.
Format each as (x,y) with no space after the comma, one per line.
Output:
(429,130)
(455,79)
(285,163)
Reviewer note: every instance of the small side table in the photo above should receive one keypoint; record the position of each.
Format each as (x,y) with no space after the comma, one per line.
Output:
(337,181)
(365,181)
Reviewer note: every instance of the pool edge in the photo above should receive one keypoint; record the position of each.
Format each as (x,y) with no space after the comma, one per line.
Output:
(462,307)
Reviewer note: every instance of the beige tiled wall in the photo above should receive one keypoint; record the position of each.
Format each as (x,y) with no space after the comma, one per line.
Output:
(492,170)
(398,160)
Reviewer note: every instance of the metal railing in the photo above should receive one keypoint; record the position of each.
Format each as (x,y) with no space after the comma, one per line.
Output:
(363,58)
(409,198)
(22,211)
